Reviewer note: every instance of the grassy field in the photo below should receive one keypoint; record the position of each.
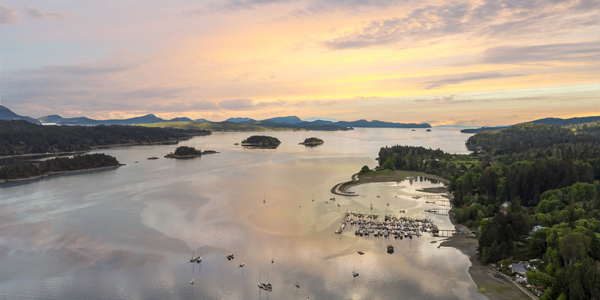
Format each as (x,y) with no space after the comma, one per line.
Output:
(466,160)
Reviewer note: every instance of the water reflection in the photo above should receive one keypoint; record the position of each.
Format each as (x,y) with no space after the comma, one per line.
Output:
(129,233)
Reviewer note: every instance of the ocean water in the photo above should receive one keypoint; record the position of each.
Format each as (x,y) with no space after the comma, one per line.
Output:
(128,233)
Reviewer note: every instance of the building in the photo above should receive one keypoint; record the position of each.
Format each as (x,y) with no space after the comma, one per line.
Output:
(518,268)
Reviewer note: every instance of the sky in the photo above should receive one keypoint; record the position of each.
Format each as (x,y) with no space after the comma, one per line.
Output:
(482,62)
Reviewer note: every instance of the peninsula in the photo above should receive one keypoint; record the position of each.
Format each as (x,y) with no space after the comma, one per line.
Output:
(22,138)
(58,165)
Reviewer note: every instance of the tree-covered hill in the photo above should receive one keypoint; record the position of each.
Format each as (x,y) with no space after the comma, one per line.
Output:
(22,137)
(528,139)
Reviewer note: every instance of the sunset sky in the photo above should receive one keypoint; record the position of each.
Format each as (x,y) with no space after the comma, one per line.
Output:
(485,62)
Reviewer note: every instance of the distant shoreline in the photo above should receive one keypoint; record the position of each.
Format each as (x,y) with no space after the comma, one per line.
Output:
(2,181)
(48,154)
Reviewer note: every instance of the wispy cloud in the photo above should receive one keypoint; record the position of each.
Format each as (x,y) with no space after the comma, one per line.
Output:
(38,14)
(507,17)
(8,15)
(587,51)
(248,104)
(453,99)
(456,79)
(309,8)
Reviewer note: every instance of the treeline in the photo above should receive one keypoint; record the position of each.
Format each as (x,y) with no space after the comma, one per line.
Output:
(185,151)
(58,164)
(525,179)
(525,176)
(528,140)
(22,137)
(422,159)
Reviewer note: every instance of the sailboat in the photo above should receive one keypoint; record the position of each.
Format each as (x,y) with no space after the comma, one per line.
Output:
(192,281)
(297,282)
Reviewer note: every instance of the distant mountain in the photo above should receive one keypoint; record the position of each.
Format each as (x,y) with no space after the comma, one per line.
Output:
(545,121)
(284,120)
(7,114)
(314,123)
(147,119)
(60,120)
(332,120)
(202,120)
(239,120)
(381,124)
(184,119)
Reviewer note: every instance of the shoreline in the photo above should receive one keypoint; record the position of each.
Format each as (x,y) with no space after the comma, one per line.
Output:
(489,283)
(49,154)
(2,181)
(397,175)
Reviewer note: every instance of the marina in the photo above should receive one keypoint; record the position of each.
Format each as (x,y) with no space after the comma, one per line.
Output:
(388,226)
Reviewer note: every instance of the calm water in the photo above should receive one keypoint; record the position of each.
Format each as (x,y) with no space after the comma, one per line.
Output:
(128,233)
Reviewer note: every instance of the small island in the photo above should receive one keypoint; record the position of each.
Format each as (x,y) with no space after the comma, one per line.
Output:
(261,141)
(188,152)
(312,141)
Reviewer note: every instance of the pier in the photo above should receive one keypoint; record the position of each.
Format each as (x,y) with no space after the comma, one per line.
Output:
(443,212)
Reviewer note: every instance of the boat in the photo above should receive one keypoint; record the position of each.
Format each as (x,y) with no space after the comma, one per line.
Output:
(241,265)
(390,249)
(236,144)
(230,256)
(192,281)
(297,282)
(354,274)
(360,252)
(428,130)
(433,242)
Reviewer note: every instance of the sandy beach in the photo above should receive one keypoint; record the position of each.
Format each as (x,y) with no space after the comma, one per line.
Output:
(489,283)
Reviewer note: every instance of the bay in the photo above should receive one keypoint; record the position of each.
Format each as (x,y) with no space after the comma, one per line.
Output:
(128,233)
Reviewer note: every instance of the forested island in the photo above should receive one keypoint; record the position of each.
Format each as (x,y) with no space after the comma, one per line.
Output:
(188,152)
(312,141)
(21,137)
(530,192)
(261,141)
(57,165)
